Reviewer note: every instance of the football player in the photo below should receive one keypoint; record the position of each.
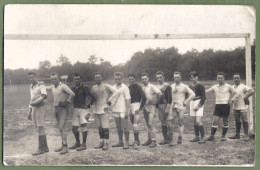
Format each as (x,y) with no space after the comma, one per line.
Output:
(83,100)
(197,107)
(101,93)
(240,106)
(62,95)
(179,101)
(223,93)
(153,96)
(137,103)
(38,111)
(163,109)
(119,103)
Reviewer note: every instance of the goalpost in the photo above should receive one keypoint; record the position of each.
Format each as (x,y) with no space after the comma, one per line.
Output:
(246,36)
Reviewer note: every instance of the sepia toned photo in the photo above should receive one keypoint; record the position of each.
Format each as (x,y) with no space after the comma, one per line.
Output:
(129,85)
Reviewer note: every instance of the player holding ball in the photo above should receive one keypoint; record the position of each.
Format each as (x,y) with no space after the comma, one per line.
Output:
(37,111)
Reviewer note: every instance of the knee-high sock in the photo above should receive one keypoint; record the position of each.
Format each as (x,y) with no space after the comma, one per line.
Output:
(201,129)
(84,136)
(76,133)
(213,131)
(224,131)
(196,130)
(106,133)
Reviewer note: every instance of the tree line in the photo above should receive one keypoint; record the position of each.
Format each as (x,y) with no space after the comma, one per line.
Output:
(207,63)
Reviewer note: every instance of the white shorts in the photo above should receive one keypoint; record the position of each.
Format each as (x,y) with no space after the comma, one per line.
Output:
(193,105)
(134,107)
(119,114)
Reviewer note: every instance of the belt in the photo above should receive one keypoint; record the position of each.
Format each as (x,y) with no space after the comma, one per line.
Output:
(196,98)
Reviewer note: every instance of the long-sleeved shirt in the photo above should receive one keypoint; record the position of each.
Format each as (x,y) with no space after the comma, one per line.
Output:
(199,91)
(61,93)
(151,93)
(178,95)
(83,97)
(37,91)
(101,93)
(119,98)
(137,94)
(222,92)
(166,93)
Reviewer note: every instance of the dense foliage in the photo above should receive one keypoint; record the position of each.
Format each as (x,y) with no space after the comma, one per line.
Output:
(207,63)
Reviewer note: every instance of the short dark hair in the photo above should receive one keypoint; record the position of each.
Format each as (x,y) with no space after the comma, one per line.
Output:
(31,73)
(177,72)
(131,75)
(237,74)
(221,73)
(144,74)
(97,73)
(194,73)
(160,73)
(118,74)
(77,75)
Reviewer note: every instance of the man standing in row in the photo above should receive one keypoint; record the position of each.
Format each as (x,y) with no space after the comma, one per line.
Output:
(137,103)
(82,102)
(179,102)
(37,111)
(163,109)
(240,103)
(153,96)
(223,93)
(101,93)
(120,103)
(62,95)
(197,107)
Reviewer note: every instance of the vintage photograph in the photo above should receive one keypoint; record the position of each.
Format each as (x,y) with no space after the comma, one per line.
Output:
(129,85)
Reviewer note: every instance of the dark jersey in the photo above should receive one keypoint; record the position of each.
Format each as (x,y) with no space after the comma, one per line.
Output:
(83,97)
(137,94)
(199,91)
(166,93)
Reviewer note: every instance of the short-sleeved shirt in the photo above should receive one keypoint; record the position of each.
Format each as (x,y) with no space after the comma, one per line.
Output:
(151,93)
(240,92)
(166,93)
(37,90)
(178,95)
(119,98)
(61,93)
(101,94)
(222,93)
(82,97)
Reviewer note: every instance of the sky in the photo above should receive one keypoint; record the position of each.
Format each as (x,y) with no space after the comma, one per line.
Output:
(118,19)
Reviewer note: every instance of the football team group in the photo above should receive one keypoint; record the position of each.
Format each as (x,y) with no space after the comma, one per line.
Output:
(128,102)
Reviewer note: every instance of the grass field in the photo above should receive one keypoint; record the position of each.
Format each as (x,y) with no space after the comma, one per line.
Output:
(20,140)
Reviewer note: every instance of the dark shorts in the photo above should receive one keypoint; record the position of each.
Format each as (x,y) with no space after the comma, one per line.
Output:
(222,110)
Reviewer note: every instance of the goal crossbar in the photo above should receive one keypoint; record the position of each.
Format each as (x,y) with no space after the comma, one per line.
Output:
(120,36)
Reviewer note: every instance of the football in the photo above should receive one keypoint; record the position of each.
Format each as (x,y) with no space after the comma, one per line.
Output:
(36,97)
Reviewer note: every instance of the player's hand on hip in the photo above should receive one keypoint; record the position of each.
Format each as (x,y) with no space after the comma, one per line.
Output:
(63,104)
(196,108)
(246,101)
(184,103)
